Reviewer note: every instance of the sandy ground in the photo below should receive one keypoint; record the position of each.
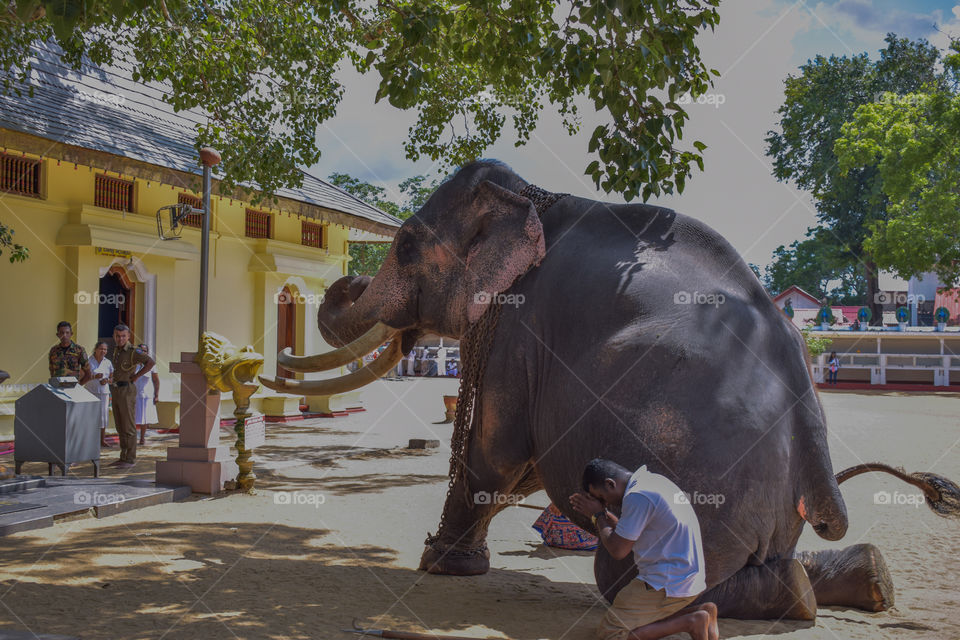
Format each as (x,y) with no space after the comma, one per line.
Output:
(346,545)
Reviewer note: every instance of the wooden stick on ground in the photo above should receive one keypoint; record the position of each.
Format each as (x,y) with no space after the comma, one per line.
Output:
(402,635)
(529,506)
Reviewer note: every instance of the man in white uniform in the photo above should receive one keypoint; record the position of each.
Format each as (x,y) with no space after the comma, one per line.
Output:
(663,534)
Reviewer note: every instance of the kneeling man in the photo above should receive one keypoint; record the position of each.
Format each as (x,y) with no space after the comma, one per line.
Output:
(663,534)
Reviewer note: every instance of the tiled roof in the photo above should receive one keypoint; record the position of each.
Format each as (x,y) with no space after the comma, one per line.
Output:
(103,109)
(794,287)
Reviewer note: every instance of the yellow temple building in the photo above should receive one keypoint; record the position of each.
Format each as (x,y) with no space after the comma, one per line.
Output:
(86,161)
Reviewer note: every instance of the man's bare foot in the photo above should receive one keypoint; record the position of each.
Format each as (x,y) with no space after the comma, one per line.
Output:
(700,625)
(711,609)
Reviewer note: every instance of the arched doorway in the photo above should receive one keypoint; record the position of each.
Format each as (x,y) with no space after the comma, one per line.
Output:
(116,302)
(286,326)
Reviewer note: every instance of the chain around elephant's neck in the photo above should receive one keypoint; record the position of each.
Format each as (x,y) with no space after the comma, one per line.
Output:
(541,198)
(475,346)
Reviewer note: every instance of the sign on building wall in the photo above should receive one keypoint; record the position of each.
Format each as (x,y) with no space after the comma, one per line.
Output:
(116,253)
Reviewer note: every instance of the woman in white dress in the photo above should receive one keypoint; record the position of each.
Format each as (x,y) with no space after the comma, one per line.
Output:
(99,386)
(146,410)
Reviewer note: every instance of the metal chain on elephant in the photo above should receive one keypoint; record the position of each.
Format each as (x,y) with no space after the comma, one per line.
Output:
(475,346)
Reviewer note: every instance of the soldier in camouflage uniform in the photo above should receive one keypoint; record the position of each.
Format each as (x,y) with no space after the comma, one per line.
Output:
(67,358)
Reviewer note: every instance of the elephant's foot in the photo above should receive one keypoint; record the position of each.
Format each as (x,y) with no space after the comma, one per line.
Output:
(447,560)
(853,577)
(778,589)
(459,548)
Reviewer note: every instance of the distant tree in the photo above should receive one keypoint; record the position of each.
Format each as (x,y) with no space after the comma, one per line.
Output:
(417,191)
(369,193)
(366,257)
(815,265)
(914,141)
(817,103)
(816,343)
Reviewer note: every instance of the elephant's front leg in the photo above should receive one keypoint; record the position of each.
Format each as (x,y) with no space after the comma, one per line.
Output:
(459,548)
(498,467)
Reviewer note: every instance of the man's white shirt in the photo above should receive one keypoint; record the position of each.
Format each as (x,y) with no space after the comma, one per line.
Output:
(667,550)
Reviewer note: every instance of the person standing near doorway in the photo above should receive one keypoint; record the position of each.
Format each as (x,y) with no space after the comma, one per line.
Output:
(99,385)
(123,391)
(147,398)
(67,358)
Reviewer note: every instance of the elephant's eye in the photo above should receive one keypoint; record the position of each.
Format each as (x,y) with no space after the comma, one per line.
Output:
(406,250)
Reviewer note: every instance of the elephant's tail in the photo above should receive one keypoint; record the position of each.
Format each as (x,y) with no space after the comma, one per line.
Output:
(942,495)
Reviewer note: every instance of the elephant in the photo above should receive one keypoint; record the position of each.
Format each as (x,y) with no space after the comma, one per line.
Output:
(628,332)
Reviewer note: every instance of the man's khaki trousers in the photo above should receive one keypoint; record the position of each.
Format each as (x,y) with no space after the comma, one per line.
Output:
(124,412)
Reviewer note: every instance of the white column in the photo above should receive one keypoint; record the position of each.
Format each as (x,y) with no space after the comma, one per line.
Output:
(150,312)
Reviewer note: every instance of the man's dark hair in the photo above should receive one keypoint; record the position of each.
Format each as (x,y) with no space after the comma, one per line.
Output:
(100,342)
(64,323)
(598,470)
(121,327)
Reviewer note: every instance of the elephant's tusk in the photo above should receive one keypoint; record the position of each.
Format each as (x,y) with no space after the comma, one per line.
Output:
(377,335)
(387,361)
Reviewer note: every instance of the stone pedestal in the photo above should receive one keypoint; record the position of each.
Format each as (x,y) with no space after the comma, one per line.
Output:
(340,404)
(281,407)
(200,461)
(168,414)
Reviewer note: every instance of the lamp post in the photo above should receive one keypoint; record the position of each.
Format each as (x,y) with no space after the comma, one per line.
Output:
(210,158)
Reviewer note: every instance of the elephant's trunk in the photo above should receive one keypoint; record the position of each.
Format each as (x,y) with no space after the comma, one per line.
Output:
(350,318)
(345,313)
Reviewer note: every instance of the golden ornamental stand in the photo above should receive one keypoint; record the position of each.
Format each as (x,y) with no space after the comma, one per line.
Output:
(228,368)
(241,397)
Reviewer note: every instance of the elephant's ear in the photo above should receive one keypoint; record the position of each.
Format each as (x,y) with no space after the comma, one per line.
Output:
(506,240)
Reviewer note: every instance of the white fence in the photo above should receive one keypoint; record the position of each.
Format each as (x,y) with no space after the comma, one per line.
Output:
(880,364)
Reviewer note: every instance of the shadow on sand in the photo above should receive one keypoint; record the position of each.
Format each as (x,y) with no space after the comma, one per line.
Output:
(240,580)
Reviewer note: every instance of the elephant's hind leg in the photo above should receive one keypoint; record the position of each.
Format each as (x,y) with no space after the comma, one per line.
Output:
(853,577)
(778,589)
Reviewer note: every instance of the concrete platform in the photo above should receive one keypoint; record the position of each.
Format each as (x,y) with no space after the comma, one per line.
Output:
(65,497)
(902,386)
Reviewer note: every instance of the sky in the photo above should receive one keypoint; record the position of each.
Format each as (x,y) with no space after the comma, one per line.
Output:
(755,46)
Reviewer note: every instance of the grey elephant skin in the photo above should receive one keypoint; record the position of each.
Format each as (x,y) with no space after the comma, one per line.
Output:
(634,333)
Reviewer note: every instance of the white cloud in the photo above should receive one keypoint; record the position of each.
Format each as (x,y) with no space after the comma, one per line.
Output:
(737,194)
(947,30)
